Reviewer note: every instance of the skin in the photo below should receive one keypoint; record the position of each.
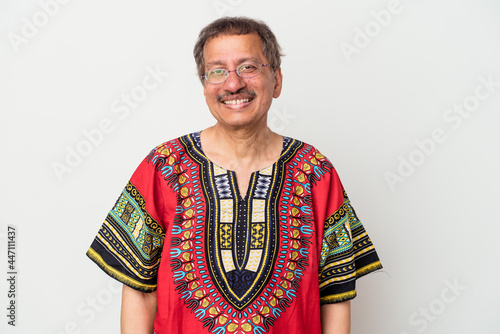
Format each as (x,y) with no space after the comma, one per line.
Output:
(336,318)
(240,141)
(138,311)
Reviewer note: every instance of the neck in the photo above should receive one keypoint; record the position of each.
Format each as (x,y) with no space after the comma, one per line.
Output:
(243,143)
(232,148)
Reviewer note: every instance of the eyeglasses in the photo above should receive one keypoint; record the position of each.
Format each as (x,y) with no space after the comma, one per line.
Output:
(247,70)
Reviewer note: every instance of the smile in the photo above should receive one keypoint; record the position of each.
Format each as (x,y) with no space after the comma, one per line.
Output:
(237,101)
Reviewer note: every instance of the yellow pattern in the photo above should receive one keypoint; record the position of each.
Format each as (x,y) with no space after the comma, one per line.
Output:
(258,206)
(227,260)
(340,297)
(189,213)
(164,151)
(301,178)
(267,171)
(369,268)
(246,327)
(138,228)
(226,211)
(299,190)
(360,236)
(333,264)
(257,235)
(254,260)
(116,274)
(336,279)
(219,171)
(120,240)
(364,251)
(226,233)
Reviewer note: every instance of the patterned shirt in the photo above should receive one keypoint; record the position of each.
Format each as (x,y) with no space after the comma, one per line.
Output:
(221,263)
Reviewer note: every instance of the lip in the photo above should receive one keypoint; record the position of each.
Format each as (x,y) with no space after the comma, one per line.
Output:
(237,104)
(240,97)
(237,101)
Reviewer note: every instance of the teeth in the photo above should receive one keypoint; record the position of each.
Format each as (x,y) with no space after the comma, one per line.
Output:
(236,101)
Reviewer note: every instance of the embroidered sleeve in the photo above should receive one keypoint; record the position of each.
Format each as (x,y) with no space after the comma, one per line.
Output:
(129,243)
(347,253)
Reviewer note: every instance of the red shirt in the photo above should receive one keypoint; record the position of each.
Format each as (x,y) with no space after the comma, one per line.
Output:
(225,264)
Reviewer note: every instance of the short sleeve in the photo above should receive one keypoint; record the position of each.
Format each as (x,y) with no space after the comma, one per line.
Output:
(129,243)
(347,254)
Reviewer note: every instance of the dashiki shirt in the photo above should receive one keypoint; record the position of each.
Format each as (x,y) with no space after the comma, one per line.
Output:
(221,263)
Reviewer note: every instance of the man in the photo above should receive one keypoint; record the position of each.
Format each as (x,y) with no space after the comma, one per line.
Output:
(226,230)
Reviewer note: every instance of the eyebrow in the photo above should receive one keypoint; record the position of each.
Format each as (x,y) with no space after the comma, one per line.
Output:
(240,61)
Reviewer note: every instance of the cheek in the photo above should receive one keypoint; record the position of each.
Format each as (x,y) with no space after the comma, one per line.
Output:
(210,95)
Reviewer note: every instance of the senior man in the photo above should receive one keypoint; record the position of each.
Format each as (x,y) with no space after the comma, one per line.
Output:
(235,229)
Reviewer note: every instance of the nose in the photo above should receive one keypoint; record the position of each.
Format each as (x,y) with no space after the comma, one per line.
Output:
(234,82)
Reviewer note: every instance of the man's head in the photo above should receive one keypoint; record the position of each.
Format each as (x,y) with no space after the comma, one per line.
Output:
(245,71)
(238,26)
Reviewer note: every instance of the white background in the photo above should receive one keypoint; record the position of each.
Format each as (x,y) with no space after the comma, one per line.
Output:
(433,227)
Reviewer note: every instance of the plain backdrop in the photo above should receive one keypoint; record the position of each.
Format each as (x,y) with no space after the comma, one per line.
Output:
(403,97)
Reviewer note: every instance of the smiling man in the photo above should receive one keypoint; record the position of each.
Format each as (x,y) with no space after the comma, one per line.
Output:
(235,229)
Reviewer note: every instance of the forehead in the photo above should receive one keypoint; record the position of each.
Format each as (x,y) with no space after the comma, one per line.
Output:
(229,49)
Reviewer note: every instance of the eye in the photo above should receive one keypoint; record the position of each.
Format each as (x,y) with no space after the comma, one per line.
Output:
(217,71)
(247,68)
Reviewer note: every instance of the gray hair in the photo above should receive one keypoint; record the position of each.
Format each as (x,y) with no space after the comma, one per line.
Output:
(238,26)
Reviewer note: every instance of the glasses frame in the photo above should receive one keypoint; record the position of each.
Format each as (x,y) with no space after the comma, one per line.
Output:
(204,76)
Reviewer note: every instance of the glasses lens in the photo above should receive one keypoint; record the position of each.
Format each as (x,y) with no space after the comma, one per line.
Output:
(249,70)
(217,75)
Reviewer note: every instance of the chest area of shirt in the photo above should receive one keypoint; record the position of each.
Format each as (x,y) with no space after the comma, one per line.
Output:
(234,257)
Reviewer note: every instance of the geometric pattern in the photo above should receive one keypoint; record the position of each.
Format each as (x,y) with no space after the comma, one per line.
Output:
(344,239)
(243,235)
(130,239)
(241,226)
(235,265)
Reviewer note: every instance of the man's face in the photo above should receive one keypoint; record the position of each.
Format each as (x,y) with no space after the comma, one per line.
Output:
(240,102)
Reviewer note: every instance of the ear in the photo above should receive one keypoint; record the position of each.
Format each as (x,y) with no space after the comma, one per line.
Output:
(278,81)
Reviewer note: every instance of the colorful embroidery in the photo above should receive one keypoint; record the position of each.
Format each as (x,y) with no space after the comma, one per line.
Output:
(347,254)
(133,241)
(249,269)
(237,264)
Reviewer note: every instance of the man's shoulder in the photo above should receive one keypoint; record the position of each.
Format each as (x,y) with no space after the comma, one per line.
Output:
(305,147)
(171,151)
(180,143)
(309,159)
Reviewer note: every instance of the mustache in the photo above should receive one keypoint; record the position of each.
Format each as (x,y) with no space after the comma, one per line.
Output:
(245,94)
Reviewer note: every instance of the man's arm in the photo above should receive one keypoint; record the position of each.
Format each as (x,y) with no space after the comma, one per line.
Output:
(138,311)
(336,318)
